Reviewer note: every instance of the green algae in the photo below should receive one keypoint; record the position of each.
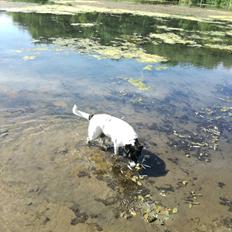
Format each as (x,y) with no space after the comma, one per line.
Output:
(221,17)
(227,48)
(126,51)
(171,38)
(39,49)
(148,67)
(27,58)
(143,45)
(166,28)
(139,84)
(160,67)
(150,58)
(18,51)
(84,24)
(136,100)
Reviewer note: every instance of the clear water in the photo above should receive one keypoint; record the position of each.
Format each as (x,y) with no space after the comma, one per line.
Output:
(45,88)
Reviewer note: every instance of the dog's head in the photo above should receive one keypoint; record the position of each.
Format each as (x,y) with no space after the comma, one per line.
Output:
(133,151)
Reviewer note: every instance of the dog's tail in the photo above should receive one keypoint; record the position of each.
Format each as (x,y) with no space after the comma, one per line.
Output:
(80,113)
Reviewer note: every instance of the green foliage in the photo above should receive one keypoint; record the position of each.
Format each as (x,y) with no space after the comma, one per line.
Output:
(226,4)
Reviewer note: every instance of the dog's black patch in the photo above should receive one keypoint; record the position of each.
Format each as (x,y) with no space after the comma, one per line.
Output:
(133,152)
(90,116)
(102,135)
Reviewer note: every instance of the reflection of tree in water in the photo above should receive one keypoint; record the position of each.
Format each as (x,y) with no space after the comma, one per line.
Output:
(200,57)
(108,29)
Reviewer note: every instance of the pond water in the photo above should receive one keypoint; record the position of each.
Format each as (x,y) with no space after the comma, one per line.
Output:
(170,78)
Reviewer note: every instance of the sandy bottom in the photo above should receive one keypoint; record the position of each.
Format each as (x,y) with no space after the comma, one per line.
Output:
(51,181)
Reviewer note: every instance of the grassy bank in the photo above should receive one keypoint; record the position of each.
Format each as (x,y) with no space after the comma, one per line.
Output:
(222,4)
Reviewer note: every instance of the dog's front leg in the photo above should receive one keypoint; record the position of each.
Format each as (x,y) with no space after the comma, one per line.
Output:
(116,149)
(103,143)
(88,141)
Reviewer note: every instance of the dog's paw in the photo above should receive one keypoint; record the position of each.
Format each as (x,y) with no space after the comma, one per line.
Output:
(132,164)
(88,143)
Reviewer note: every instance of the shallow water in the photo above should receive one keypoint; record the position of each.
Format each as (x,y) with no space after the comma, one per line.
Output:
(50,180)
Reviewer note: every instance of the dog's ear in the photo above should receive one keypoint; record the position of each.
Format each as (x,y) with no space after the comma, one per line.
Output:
(137,142)
(140,148)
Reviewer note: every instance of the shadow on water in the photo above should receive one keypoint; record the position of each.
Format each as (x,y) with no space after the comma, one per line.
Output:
(155,166)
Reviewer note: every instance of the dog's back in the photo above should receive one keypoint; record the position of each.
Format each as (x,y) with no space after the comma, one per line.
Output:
(119,131)
(114,128)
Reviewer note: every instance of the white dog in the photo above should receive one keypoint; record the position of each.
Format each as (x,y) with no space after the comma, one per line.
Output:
(120,132)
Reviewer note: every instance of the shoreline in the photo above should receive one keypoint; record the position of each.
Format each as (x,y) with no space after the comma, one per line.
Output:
(78,6)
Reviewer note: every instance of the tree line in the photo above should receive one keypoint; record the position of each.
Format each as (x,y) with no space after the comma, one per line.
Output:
(226,4)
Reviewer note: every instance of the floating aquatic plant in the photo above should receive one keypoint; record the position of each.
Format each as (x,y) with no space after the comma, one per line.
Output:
(39,49)
(29,57)
(18,51)
(126,51)
(161,67)
(138,84)
(166,28)
(220,46)
(148,67)
(83,24)
(222,17)
(171,38)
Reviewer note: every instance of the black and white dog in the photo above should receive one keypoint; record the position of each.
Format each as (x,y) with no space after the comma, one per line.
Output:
(120,132)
